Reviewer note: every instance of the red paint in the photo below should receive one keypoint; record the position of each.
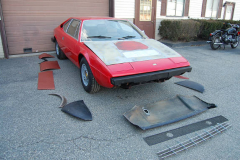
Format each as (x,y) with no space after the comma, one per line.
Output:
(181,77)
(45,80)
(120,67)
(45,55)
(74,48)
(49,65)
(130,45)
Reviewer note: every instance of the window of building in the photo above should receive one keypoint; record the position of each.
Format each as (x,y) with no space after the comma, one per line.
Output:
(229,10)
(212,8)
(175,7)
(145,10)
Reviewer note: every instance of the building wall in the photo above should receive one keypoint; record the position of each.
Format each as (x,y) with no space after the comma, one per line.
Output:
(125,9)
(195,8)
(236,14)
(159,18)
(1,47)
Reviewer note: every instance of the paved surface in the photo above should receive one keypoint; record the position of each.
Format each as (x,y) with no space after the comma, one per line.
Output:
(183,44)
(33,127)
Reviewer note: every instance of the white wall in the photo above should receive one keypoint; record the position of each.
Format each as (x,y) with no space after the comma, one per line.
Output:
(124,8)
(236,14)
(159,18)
(1,48)
(195,8)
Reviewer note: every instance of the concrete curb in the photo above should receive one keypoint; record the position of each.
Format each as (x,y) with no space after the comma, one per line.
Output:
(31,54)
(183,44)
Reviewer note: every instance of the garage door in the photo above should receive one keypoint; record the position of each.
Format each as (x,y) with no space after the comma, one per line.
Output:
(29,24)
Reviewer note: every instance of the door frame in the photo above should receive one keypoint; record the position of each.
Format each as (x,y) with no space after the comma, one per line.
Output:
(225,9)
(137,11)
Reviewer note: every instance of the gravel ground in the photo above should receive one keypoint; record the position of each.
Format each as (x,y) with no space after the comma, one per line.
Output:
(33,127)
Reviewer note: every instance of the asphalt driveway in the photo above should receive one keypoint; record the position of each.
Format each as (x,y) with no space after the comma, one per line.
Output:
(33,127)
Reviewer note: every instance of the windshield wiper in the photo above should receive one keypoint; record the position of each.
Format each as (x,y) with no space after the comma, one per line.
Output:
(98,37)
(127,37)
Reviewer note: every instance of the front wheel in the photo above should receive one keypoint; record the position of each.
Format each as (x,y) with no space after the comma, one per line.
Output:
(234,45)
(215,39)
(89,83)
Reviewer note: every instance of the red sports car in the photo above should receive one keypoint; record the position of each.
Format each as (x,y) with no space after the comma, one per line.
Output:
(115,53)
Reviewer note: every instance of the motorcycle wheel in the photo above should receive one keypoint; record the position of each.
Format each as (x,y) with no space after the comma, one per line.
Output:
(215,39)
(234,45)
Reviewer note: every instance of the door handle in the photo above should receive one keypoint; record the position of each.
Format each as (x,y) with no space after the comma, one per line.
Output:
(62,38)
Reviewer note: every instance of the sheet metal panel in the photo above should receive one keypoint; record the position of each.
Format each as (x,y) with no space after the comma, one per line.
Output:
(162,137)
(49,65)
(45,55)
(165,112)
(45,80)
(109,53)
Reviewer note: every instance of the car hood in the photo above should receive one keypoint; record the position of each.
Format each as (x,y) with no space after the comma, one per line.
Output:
(116,52)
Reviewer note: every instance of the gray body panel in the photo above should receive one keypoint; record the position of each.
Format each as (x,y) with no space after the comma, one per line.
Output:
(109,53)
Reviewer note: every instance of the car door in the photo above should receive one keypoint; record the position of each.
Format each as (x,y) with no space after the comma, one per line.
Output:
(70,41)
(60,36)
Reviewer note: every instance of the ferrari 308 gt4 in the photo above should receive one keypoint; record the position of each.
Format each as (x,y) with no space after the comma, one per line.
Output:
(114,52)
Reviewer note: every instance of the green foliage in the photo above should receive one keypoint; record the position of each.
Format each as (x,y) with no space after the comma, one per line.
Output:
(174,30)
(191,29)
(207,27)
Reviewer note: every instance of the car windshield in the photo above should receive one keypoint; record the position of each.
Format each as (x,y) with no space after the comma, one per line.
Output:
(105,30)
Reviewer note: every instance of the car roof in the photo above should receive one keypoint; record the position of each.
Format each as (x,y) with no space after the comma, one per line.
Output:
(95,18)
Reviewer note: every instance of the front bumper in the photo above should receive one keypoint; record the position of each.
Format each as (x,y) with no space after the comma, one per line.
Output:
(147,77)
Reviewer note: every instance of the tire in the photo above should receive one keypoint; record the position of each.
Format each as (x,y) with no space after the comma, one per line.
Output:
(89,83)
(59,52)
(215,39)
(235,44)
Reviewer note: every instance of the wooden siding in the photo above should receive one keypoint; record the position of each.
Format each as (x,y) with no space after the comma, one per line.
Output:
(236,14)
(124,8)
(30,23)
(195,8)
(158,12)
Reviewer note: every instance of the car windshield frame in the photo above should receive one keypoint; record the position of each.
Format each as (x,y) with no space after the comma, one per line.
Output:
(123,30)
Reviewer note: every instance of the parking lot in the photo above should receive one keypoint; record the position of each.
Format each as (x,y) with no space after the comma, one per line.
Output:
(33,127)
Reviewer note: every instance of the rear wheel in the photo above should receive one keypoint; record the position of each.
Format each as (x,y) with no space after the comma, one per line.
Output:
(59,52)
(234,45)
(215,39)
(89,83)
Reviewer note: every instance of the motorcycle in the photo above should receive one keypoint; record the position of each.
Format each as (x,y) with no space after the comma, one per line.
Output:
(224,37)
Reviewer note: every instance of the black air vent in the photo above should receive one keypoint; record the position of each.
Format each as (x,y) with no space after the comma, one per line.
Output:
(27,50)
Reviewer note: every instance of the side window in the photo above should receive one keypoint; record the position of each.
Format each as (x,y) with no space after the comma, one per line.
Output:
(72,29)
(65,26)
(77,31)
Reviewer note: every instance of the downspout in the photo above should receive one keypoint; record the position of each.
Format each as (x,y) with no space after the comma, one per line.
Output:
(111,8)
(3,34)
